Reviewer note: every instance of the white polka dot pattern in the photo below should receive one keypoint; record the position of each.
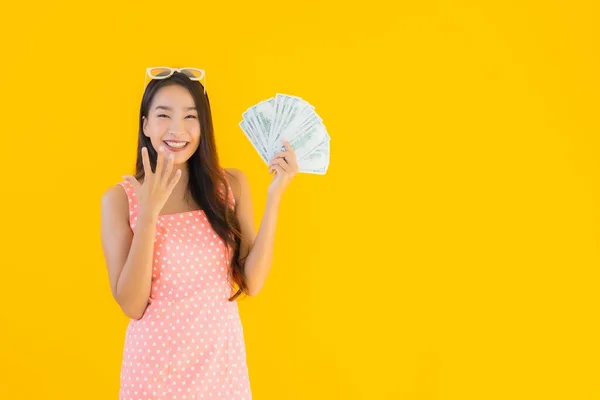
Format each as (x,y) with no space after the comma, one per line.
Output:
(190,342)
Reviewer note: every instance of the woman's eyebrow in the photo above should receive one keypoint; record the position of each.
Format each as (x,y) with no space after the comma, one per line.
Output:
(170,109)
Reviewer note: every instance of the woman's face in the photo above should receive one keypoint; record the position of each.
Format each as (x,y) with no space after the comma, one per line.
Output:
(173,122)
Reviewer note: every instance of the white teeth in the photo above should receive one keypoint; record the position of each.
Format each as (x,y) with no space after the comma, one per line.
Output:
(177,145)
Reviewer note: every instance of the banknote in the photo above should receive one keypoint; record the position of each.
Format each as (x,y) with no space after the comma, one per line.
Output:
(317,161)
(252,138)
(294,119)
(255,129)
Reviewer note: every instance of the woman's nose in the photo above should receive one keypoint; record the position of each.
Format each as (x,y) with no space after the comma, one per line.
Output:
(178,126)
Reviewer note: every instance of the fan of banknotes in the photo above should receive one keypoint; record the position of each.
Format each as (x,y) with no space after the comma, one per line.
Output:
(294,119)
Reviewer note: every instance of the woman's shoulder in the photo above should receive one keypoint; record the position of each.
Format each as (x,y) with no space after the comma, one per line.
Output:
(115,201)
(116,193)
(235,173)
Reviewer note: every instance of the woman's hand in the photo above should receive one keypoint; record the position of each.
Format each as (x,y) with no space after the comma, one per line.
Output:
(285,166)
(158,186)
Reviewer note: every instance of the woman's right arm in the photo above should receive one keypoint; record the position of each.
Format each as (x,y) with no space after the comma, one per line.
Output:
(128,256)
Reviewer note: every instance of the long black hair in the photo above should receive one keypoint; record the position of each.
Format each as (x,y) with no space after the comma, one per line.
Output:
(207,185)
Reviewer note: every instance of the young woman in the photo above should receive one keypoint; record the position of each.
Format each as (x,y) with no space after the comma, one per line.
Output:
(180,247)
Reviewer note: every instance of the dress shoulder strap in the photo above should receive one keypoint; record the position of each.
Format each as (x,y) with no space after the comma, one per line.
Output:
(133,202)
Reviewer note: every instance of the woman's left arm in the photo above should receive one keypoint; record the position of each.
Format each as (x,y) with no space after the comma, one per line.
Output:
(259,247)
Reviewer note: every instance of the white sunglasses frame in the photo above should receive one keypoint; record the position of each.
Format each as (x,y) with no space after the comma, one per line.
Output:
(172,71)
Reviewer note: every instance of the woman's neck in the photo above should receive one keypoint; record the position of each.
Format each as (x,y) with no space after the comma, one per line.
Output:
(183,180)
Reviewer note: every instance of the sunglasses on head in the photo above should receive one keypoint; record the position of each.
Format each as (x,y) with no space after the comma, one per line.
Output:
(194,74)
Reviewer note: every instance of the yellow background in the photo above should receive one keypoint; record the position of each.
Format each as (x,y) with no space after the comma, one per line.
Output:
(451,252)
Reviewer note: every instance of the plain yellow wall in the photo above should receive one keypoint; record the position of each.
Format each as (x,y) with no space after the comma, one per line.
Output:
(451,252)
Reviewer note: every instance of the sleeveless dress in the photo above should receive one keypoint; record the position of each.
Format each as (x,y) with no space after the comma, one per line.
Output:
(189,344)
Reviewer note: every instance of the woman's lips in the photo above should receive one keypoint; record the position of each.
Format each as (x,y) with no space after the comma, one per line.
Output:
(175,149)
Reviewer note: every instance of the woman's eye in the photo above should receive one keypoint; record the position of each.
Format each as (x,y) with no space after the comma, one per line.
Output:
(165,115)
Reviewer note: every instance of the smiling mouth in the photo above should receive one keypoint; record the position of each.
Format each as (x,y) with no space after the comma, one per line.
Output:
(175,145)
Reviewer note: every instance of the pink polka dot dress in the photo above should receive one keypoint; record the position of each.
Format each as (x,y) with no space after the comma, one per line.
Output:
(189,344)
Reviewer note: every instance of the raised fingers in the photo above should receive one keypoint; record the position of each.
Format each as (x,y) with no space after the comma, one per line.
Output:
(146,162)
(173,181)
(168,168)
(160,161)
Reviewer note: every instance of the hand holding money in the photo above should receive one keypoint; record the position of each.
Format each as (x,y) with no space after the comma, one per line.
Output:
(285,166)
(292,119)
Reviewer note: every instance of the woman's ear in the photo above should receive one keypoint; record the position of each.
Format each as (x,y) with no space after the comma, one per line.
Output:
(144,123)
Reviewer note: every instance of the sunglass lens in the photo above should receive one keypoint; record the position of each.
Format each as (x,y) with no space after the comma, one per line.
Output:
(192,73)
(158,72)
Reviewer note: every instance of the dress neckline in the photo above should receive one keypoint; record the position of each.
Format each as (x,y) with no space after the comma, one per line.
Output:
(180,213)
